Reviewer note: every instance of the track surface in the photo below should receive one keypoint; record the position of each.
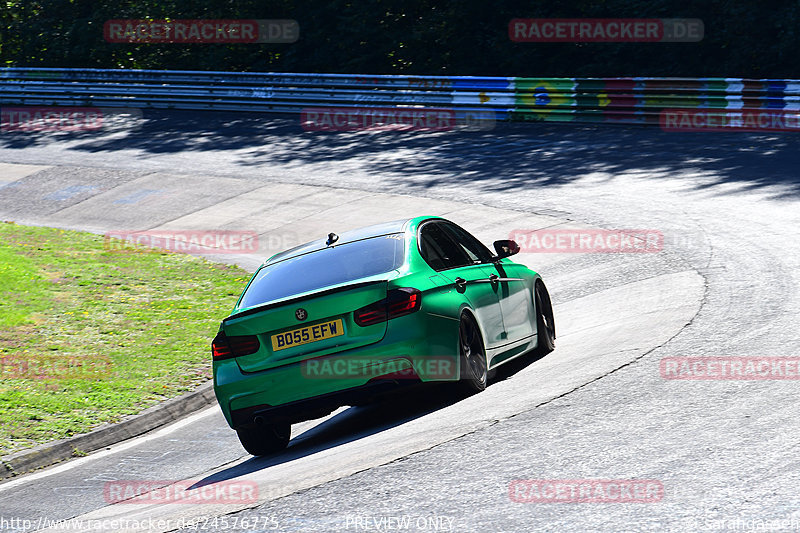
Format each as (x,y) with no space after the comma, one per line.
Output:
(596,408)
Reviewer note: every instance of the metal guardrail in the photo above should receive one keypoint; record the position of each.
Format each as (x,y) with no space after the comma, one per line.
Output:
(619,100)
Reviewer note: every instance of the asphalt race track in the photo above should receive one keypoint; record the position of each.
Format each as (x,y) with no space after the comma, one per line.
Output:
(597,408)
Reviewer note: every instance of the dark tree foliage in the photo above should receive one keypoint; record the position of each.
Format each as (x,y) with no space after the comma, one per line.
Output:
(468,37)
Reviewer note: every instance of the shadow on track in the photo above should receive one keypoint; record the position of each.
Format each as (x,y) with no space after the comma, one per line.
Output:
(524,154)
(358,422)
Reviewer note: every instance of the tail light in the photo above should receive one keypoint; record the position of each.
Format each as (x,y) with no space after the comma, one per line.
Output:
(398,302)
(225,347)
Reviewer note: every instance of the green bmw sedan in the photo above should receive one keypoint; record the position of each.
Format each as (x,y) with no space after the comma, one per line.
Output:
(346,318)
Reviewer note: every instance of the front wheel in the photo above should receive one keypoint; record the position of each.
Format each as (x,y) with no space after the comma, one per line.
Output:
(473,356)
(264,439)
(545,324)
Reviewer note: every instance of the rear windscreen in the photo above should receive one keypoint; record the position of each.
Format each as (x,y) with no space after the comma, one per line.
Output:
(324,268)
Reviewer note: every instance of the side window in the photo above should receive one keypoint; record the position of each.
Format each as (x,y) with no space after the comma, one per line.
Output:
(477,252)
(439,249)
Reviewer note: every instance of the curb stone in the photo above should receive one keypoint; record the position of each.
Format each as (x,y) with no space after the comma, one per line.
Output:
(152,418)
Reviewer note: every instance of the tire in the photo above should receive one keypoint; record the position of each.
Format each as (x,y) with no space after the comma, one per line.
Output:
(473,356)
(264,439)
(545,323)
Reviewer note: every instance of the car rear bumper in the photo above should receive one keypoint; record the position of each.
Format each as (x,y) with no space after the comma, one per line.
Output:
(416,348)
(316,407)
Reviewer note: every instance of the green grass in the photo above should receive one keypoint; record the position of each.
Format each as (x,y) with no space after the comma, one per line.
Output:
(90,334)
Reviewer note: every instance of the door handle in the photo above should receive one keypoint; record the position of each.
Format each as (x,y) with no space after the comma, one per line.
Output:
(461,283)
(494,278)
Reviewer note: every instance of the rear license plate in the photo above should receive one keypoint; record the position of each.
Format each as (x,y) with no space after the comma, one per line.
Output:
(300,336)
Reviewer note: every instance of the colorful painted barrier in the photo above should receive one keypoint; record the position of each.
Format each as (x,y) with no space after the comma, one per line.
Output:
(605,100)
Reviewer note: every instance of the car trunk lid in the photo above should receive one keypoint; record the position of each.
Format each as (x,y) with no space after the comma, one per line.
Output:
(297,328)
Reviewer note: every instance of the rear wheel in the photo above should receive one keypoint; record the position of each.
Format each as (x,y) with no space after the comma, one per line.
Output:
(545,324)
(473,355)
(264,439)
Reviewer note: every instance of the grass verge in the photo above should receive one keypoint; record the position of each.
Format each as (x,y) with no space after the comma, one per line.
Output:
(89,334)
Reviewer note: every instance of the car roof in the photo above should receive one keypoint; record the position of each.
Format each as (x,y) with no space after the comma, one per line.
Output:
(376,230)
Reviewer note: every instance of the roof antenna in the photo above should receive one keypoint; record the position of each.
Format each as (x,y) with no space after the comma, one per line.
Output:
(332,238)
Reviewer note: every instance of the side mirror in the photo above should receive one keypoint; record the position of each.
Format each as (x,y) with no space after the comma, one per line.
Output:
(505,248)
